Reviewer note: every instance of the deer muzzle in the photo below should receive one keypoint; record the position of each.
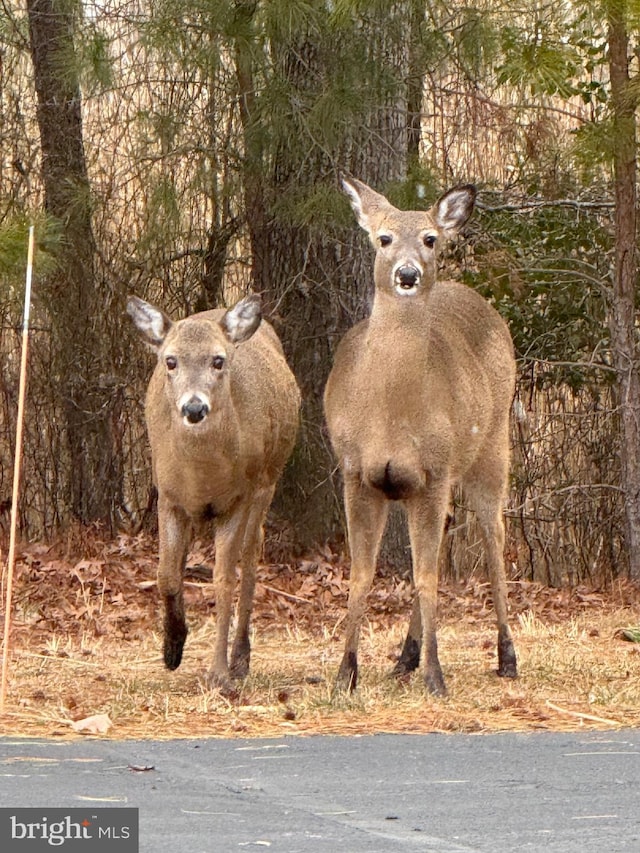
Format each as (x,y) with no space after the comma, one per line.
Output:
(407,278)
(194,410)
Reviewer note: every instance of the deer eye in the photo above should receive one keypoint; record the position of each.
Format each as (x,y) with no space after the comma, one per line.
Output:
(385,239)
(429,240)
(171,361)
(217,362)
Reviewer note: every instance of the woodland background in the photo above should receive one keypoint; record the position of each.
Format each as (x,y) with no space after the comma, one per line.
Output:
(188,151)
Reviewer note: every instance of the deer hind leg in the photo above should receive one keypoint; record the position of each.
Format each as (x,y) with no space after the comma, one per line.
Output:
(492,528)
(367,512)
(230,534)
(174,535)
(426,514)
(491,522)
(251,551)
(410,655)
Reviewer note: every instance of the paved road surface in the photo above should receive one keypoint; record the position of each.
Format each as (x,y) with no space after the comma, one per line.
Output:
(571,793)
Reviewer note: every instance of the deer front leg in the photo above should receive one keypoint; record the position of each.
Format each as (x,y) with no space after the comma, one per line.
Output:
(229,538)
(251,551)
(426,515)
(367,512)
(174,535)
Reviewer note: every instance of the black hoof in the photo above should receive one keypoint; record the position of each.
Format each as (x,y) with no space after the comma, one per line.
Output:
(409,659)
(507,672)
(508,669)
(507,662)
(173,653)
(401,672)
(173,646)
(239,666)
(347,679)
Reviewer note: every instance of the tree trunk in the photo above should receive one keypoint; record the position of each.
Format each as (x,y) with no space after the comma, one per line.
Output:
(89,397)
(415,81)
(317,282)
(252,165)
(622,316)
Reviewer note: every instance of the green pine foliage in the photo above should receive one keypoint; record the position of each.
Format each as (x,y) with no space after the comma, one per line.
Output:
(14,238)
(547,270)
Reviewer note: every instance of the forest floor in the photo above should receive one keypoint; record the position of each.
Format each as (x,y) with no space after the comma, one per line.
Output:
(86,641)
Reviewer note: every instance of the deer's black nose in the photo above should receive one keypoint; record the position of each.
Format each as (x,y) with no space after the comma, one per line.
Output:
(407,277)
(194,410)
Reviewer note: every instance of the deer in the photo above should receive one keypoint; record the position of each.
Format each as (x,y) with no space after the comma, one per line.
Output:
(221,410)
(417,402)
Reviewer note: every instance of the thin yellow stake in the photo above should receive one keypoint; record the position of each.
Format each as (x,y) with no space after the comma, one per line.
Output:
(17,464)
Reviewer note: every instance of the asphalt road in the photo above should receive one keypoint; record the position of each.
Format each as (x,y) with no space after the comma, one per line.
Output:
(373,794)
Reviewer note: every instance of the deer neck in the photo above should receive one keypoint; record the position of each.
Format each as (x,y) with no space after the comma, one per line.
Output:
(391,313)
(217,438)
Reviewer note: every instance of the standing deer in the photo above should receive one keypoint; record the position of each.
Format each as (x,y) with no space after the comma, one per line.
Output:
(222,414)
(418,400)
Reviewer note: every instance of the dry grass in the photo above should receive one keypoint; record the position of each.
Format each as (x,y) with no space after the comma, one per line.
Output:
(86,641)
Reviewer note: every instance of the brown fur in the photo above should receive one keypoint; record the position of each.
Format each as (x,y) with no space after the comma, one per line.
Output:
(418,401)
(224,465)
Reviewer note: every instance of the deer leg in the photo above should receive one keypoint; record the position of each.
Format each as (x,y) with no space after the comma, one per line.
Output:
(367,512)
(426,514)
(410,655)
(492,528)
(174,535)
(229,538)
(251,550)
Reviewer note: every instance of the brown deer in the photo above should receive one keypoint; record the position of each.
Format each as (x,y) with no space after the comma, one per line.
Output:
(222,415)
(418,400)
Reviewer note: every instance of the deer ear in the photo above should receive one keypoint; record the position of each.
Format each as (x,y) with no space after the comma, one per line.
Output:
(366,203)
(150,321)
(241,321)
(452,210)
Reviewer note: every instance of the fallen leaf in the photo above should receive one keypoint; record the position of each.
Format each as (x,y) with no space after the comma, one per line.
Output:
(97,724)
(630,634)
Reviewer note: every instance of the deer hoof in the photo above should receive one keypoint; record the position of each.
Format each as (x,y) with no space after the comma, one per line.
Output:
(434,682)
(175,633)
(409,659)
(347,679)
(508,669)
(507,663)
(173,647)
(222,684)
(240,657)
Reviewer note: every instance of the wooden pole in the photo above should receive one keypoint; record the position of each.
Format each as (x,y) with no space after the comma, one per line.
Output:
(17,464)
